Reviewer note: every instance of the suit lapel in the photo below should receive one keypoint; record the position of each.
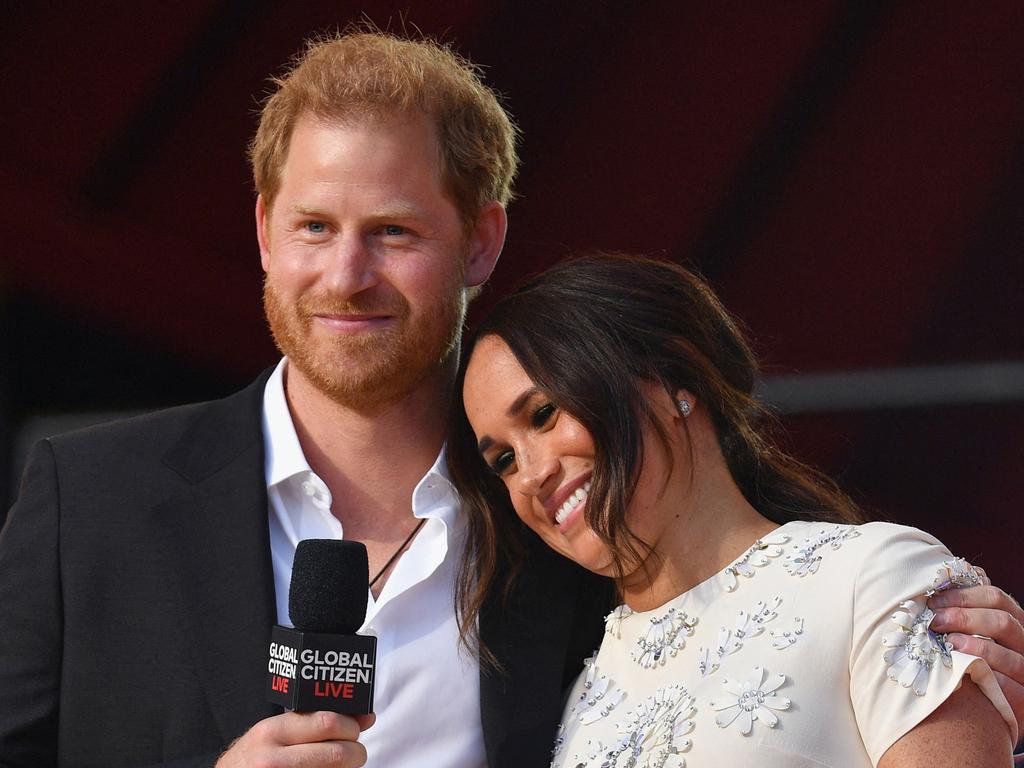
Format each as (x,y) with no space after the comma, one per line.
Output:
(217,530)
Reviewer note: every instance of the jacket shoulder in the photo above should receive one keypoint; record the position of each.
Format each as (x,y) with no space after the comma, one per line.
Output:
(191,439)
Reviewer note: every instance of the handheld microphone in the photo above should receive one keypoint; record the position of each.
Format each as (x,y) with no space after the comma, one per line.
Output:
(322,664)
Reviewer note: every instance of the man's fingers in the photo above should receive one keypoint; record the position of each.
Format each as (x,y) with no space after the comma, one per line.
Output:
(325,754)
(294,728)
(1000,625)
(1014,693)
(977,597)
(1007,666)
(299,740)
(1001,660)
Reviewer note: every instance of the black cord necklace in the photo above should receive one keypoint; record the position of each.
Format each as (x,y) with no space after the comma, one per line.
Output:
(398,552)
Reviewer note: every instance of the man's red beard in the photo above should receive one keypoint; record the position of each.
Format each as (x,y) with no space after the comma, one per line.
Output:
(368,370)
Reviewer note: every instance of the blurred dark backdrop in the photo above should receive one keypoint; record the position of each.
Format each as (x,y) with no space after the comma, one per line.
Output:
(849,175)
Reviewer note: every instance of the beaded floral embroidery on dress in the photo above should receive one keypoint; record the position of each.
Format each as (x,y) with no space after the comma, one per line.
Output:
(914,648)
(784,638)
(613,621)
(556,750)
(955,574)
(748,624)
(598,698)
(705,664)
(749,700)
(759,554)
(653,735)
(665,637)
(752,624)
(805,556)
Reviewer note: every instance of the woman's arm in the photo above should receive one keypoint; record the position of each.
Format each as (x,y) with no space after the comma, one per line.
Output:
(965,731)
(991,613)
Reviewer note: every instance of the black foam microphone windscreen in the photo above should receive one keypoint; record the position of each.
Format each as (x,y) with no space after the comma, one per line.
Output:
(330,580)
(322,663)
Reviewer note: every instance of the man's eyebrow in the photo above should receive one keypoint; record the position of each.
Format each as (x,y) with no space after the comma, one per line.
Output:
(513,410)
(397,210)
(305,209)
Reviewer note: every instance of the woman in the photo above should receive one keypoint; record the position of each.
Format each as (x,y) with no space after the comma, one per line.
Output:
(608,407)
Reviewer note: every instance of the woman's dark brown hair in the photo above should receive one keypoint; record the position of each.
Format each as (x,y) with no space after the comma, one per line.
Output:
(588,332)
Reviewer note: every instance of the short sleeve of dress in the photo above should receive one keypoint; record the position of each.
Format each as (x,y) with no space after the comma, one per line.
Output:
(900,671)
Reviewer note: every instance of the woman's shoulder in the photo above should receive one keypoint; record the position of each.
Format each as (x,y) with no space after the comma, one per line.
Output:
(870,560)
(880,533)
(811,539)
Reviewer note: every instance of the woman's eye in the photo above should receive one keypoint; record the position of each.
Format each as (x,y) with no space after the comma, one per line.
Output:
(502,462)
(542,415)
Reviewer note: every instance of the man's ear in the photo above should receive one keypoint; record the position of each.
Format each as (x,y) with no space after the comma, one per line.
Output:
(262,223)
(485,243)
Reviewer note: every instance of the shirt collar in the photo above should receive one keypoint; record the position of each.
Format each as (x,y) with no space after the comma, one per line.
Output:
(433,496)
(284,457)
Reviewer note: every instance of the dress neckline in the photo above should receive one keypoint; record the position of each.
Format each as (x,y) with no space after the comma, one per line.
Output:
(769,546)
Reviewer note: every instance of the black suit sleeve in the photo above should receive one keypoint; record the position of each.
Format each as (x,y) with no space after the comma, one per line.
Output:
(202,761)
(30,618)
(31,624)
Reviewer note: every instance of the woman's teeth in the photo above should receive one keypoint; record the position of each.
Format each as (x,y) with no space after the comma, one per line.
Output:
(572,502)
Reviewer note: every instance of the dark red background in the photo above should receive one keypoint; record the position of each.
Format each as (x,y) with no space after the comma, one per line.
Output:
(849,175)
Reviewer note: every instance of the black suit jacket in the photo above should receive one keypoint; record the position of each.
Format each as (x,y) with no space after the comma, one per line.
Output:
(137,596)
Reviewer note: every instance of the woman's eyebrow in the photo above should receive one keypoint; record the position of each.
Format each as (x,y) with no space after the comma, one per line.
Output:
(520,402)
(513,410)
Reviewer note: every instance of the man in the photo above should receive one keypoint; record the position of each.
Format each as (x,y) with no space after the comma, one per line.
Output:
(144,562)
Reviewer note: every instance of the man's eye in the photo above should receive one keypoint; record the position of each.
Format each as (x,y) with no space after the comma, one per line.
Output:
(542,415)
(503,462)
(316,227)
(393,229)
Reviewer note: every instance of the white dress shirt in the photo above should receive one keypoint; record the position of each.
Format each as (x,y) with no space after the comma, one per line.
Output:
(427,693)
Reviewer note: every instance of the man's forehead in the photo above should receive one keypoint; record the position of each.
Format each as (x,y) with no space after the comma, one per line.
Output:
(384,125)
(371,125)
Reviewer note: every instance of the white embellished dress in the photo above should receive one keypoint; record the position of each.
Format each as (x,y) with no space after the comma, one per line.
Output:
(811,649)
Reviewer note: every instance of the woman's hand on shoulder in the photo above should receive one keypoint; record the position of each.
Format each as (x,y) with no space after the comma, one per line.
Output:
(985,621)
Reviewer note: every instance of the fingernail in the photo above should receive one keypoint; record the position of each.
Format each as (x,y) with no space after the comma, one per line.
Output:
(939,619)
(941,600)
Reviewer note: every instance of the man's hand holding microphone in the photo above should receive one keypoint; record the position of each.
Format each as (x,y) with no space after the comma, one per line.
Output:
(321,670)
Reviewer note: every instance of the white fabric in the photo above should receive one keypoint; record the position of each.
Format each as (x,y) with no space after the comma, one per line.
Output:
(427,693)
(811,602)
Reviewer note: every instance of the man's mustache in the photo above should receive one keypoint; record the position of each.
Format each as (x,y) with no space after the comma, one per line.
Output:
(310,306)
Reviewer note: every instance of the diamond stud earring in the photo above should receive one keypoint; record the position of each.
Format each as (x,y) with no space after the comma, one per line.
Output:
(685,407)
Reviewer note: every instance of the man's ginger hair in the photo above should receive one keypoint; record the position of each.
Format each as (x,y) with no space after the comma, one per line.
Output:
(372,75)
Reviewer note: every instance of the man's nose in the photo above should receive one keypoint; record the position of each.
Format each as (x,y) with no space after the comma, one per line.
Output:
(350,268)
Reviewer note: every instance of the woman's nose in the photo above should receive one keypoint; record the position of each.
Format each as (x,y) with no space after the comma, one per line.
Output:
(537,468)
